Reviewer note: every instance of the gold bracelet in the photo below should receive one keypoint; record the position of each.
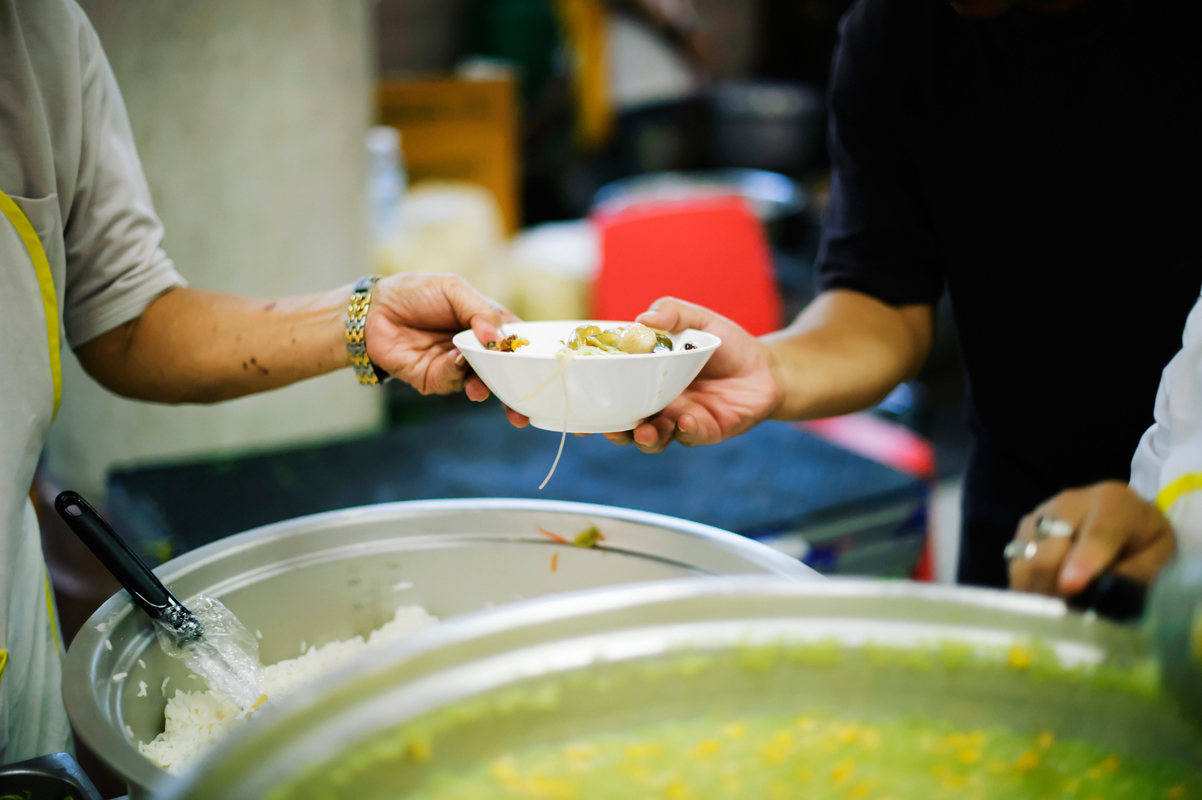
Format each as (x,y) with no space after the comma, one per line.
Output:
(356,341)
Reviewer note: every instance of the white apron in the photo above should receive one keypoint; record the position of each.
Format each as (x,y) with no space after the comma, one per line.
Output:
(79,256)
(1167,467)
(33,721)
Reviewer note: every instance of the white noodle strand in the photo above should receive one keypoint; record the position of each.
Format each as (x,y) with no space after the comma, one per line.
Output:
(564,360)
(563,438)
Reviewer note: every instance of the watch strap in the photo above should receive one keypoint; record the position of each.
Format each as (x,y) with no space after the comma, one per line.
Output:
(356,341)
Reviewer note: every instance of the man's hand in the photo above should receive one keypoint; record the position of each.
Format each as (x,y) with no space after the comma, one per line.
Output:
(1115,530)
(735,390)
(410,324)
(845,352)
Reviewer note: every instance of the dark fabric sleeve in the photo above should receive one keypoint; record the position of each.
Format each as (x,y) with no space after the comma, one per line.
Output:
(877,234)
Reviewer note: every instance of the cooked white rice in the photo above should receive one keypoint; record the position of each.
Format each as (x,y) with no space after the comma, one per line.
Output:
(195,720)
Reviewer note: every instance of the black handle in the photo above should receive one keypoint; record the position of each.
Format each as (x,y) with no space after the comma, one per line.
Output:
(1112,596)
(143,586)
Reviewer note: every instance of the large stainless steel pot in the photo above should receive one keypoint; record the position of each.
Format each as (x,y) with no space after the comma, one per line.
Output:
(332,576)
(338,734)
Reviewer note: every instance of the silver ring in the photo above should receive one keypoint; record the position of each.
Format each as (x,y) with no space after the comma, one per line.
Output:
(1053,528)
(1016,548)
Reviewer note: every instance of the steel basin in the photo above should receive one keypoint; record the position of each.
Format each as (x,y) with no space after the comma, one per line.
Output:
(332,576)
(749,627)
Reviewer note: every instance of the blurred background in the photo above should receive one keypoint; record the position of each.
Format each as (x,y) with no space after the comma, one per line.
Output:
(570,158)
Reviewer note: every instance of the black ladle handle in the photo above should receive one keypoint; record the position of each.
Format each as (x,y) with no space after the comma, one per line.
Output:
(1112,596)
(146,590)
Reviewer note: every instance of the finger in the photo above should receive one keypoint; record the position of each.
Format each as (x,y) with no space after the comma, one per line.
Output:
(444,375)
(475,389)
(645,434)
(505,314)
(474,310)
(663,429)
(1128,535)
(515,419)
(1041,572)
(1145,565)
(621,437)
(697,426)
(1098,545)
(486,329)
(674,315)
(1017,566)
(1043,568)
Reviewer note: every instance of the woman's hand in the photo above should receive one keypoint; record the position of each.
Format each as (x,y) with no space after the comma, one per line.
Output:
(410,324)
(1114,529)
(193,346)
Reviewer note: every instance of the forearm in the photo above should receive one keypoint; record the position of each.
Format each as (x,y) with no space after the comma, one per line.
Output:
(192,346)
(846,352)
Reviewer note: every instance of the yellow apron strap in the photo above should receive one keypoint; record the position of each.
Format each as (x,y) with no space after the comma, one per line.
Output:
(46,282)
(1189,482)
(50,612)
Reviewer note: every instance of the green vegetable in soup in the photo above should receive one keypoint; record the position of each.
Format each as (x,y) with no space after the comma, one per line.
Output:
(633,339)
(811,757)
(608,338)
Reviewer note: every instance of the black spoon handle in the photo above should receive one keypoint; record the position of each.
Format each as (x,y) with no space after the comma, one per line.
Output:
(143,586)
(1112,596)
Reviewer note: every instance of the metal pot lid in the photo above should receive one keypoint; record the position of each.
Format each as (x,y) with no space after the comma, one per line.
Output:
(489,651)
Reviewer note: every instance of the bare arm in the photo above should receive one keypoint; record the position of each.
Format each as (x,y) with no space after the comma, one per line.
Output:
(845,352)
(196,346)
(193,346)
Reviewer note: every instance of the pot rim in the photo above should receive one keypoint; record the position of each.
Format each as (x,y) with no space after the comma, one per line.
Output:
(340,685)
(110,743)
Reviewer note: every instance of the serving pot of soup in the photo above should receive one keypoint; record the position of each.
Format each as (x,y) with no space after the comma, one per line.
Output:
(739,687)
(324,590)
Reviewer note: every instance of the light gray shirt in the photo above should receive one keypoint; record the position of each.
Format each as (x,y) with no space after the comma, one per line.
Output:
(67,159)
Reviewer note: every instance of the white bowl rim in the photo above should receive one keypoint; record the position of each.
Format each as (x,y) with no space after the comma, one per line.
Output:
(467,341)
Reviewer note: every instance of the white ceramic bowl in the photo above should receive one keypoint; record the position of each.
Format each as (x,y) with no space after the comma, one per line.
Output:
(603,393)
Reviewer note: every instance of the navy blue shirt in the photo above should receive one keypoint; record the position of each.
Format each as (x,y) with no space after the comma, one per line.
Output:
(1044,169)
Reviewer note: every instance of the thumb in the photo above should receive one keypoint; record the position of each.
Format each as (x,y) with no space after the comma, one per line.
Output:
(475,311)
(672,315)
(487,329)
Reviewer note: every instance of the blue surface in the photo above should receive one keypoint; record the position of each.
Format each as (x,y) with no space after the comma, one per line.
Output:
(771,478)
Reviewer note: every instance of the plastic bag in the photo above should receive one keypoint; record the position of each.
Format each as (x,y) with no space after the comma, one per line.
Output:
(226,654)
